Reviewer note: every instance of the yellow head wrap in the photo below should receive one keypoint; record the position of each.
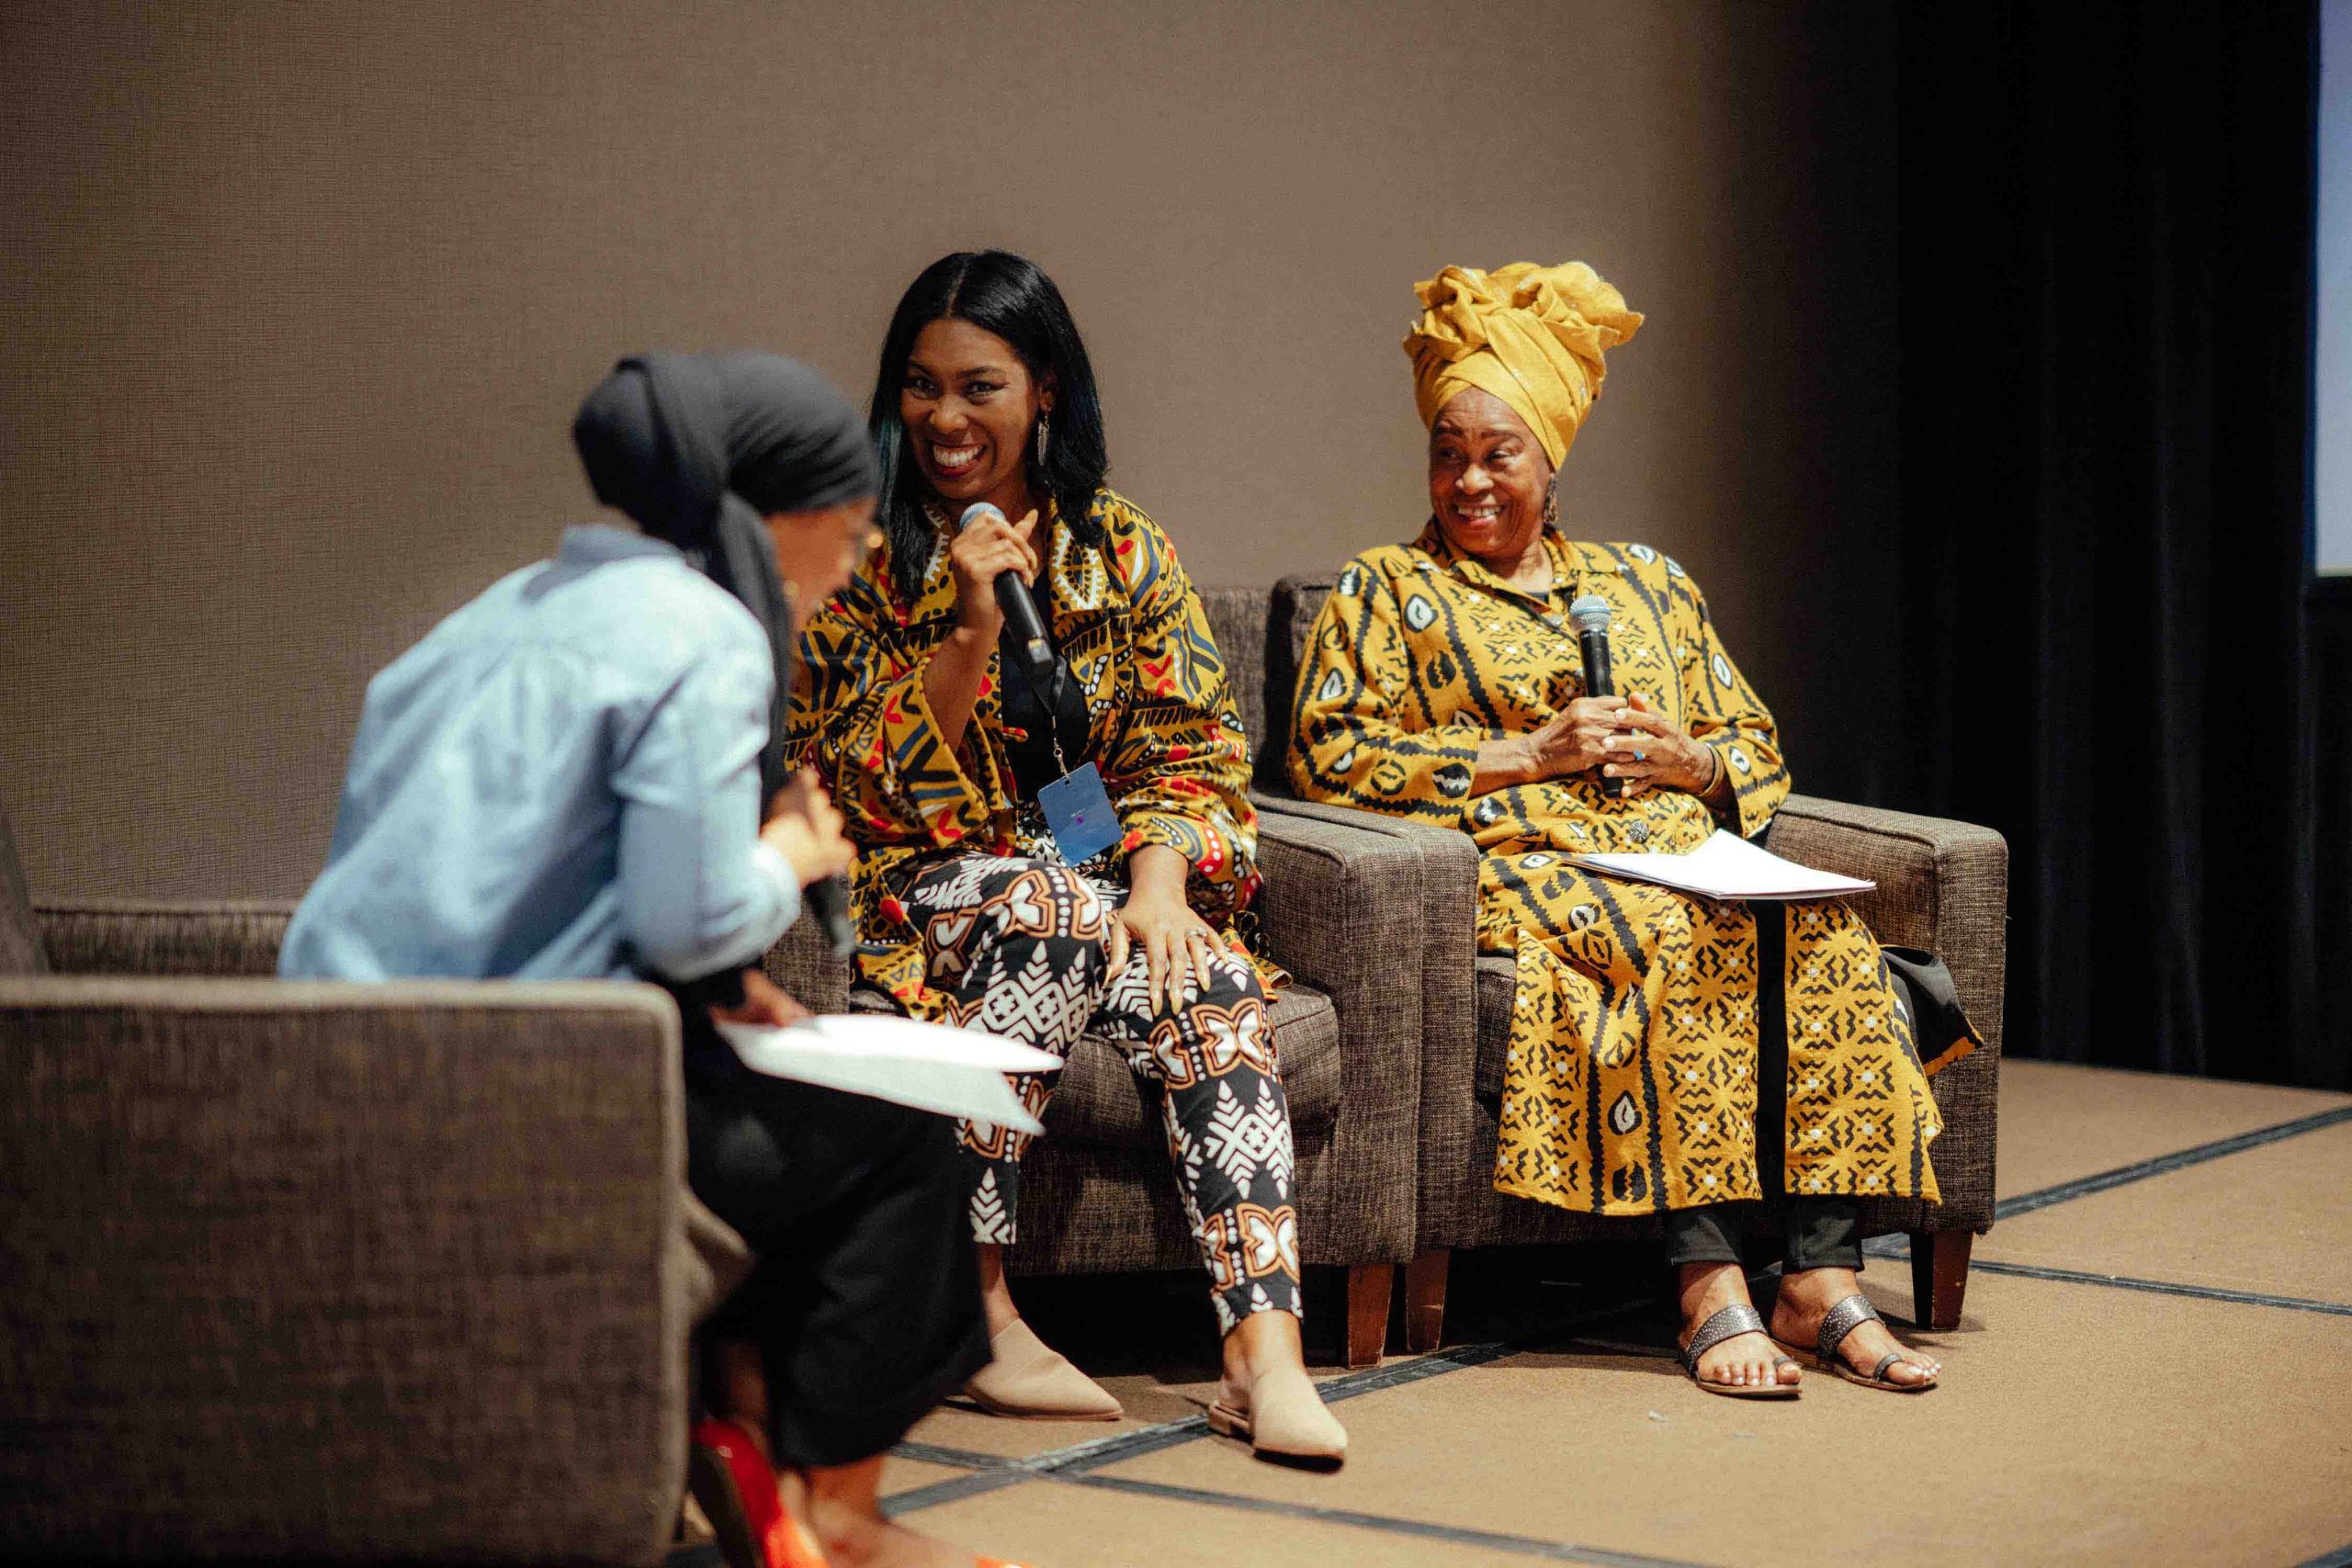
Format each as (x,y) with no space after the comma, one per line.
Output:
(1531,335)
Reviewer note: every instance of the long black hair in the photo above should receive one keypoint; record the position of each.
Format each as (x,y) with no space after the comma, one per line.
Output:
(1010,296)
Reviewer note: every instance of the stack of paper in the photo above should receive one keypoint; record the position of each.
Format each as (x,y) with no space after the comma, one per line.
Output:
(956,1072)
(1727,866)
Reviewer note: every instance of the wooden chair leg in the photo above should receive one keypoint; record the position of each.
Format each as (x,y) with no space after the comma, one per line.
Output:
(1938,1276)
(1368,1287)
(1425,1300)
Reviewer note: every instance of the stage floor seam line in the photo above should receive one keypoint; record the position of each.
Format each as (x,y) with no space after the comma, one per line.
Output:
(1524,1545)
(1075,1462)
(2163,1286)
(2165,1165)
(1895,1250)
(959,1458)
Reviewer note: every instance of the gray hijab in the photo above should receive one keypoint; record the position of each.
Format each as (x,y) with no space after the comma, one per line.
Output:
(696,449)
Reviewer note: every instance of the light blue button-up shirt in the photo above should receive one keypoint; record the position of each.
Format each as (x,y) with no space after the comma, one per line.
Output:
(561,781)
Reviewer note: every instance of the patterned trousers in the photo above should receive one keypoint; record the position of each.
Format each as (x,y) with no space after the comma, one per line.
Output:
(1020,948)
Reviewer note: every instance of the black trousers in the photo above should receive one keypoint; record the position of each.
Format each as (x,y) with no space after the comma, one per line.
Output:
(865,1301)
(1816,1232)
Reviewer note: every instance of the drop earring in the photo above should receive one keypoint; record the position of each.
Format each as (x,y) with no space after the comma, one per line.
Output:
(1044,422)
(1552,510)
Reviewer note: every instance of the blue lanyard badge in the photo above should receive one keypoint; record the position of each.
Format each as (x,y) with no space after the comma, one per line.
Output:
(1079,811)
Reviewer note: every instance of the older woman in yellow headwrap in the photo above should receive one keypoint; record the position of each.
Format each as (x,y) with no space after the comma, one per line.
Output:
(1720,1064)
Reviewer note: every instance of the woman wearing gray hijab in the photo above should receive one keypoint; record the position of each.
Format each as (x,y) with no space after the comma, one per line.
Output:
(565,780)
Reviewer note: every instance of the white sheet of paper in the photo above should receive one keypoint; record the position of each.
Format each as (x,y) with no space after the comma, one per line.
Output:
(954,1072)
(1727,866)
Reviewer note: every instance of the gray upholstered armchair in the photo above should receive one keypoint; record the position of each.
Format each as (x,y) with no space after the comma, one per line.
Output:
(1097,1194)
(330,1271)
(1941,886)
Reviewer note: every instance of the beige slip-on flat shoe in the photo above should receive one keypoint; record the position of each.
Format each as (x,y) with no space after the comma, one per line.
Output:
(1285,1421)
(1027,1378)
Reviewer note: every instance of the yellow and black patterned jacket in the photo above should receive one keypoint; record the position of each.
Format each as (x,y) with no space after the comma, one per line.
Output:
(1162,728)
(1421,652)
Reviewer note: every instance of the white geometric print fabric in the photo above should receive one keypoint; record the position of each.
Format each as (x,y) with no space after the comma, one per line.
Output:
(1019,947)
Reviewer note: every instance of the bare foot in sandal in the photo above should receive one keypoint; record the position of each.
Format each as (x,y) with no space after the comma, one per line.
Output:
(1743,1361)
(1868,1350)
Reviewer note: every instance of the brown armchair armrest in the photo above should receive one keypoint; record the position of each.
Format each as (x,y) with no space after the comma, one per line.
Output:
(379,1239)
(1381,916)
(1943,885)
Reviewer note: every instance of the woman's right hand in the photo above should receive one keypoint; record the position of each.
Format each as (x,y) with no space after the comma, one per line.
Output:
(980,555)
(807,832)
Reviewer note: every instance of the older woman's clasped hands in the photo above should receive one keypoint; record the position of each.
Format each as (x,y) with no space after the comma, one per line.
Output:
(1619,737)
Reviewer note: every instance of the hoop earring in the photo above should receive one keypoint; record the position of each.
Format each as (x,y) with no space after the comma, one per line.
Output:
(1044,422)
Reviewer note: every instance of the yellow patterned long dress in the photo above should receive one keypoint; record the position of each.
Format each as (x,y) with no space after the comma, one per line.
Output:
(1631,1081)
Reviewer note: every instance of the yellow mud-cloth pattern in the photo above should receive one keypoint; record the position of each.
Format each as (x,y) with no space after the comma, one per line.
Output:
(1162,728)
(1629,1084)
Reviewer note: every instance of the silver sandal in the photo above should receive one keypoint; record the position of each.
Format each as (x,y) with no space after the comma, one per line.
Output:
(1837,1322)
(1731,1321)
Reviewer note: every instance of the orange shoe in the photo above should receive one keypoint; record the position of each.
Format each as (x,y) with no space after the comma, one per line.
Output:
(733,1479)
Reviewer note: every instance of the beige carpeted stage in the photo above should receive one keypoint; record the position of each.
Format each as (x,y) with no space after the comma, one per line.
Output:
(2156,1366)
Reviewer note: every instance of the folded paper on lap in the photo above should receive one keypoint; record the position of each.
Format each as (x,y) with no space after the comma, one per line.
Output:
(954,1072)
(1727,866)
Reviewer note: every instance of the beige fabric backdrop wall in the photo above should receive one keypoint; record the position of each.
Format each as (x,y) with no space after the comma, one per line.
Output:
(299,299)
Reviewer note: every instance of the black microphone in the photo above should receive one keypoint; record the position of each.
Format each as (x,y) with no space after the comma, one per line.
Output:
(829,901)
(1590,616)
(1012,597)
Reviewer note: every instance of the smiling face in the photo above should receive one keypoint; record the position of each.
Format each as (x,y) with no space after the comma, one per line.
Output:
(1489,476)
(969,407)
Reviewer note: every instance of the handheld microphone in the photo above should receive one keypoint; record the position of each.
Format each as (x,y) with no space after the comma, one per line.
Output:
(829,901)
(1012,598)
(1590,616)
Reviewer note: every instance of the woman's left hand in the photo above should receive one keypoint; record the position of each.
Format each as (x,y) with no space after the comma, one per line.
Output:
(1650,751)
(1178,945)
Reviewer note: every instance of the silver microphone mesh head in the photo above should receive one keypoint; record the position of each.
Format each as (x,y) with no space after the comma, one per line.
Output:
(1589,614)
(974,513)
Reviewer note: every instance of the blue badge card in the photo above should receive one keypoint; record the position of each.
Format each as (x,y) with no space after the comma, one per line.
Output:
(1079,811)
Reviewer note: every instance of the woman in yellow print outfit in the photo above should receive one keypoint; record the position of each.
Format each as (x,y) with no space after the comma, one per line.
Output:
(937,747)
(1444,683)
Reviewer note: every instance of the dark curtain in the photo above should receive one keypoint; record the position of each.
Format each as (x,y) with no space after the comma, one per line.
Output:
(2107,287)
